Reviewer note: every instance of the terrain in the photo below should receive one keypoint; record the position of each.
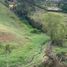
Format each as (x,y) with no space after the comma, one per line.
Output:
(24,41)
(21,44)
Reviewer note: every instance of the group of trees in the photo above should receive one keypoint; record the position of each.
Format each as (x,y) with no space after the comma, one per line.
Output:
(56,28)
(64,7)
(27,6)
(23,7)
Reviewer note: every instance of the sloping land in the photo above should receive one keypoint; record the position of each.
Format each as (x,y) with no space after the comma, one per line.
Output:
(20,44)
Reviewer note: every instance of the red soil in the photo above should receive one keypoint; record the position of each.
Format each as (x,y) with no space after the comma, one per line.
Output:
(6,37)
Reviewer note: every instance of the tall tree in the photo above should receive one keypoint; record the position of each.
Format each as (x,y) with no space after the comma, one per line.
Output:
(63,5)
(25,6)
(56,29)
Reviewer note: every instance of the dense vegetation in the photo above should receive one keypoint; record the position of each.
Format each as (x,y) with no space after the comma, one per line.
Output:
(56,29)
(32,36)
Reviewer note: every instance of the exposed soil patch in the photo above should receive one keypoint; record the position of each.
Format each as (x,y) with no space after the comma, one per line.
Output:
(6,37)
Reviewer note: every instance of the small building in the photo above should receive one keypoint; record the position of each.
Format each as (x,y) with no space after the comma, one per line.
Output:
(54,9)
(12,4)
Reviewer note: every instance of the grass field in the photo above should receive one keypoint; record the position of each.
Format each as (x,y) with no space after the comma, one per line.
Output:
(23,44)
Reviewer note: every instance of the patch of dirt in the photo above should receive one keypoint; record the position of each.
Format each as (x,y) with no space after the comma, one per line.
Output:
(6,37)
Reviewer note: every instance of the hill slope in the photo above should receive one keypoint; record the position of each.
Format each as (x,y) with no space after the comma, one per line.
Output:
(20,44)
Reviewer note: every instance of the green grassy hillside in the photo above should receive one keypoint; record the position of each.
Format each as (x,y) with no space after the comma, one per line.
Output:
(20,44)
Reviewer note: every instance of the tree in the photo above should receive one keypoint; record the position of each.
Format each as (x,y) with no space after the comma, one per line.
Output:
(56,29)
(63,5)
(25,6)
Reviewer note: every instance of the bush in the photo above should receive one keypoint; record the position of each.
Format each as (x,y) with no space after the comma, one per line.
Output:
(64,7)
